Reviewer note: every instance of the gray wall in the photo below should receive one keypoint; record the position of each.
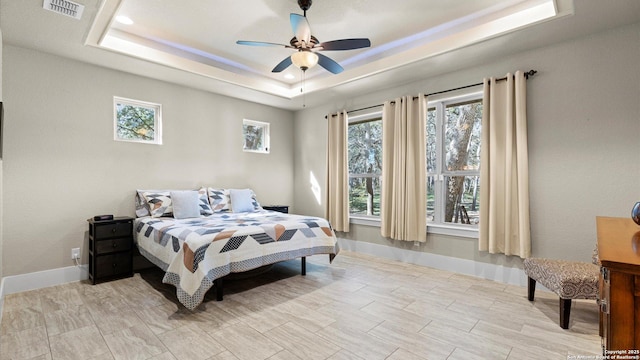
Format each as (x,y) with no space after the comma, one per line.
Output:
(584,138)
(62,166)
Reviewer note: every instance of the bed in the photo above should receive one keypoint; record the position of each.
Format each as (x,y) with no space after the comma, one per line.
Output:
(196,252)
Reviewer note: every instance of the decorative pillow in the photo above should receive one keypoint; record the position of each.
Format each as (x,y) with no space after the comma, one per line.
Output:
(159,203)
(242,200)
(219,199)
(186,204)
(205,207)
(254,201)
(141,204)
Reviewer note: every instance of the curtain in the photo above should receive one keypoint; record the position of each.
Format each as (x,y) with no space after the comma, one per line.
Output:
(504,168)
(337,186)
(403,208)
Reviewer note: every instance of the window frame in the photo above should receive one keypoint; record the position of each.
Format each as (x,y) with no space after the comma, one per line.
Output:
(372,220)
(438,226)
(266,136)
(157,119)
(449,229)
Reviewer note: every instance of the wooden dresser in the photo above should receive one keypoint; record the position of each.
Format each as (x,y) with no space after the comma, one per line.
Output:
(619,252)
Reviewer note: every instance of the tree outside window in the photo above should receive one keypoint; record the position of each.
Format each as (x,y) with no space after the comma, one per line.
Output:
(365,166)
(137,121)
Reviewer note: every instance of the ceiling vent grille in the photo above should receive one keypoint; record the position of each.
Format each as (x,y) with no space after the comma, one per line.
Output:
(64,7)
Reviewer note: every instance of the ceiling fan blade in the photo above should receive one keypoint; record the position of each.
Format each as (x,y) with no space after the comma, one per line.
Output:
(283,65)
(345,44)
(259,43)
(301,28)
(329,64)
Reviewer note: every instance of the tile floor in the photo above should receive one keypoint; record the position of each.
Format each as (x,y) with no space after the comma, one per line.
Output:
(359,307)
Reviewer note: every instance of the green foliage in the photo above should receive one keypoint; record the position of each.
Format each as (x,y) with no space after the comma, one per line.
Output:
(253,136)
(135,122)
(365,147)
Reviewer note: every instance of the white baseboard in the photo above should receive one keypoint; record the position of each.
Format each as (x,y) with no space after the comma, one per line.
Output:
(41,279)
(514,276)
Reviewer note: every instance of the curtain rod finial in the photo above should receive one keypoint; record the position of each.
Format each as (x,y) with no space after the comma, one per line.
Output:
(530,73)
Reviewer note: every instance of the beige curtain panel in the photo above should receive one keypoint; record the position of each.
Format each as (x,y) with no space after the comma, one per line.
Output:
(403,207)
(504,168)
(337,181)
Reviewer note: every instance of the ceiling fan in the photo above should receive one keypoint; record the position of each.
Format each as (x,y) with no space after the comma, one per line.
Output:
(308,46)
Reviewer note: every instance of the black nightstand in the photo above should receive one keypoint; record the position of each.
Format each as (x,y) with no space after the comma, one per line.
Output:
(278,208)
(110,249)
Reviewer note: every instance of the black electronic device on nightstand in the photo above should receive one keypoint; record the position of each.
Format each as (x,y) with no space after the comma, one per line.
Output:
(110,248)
(278,208)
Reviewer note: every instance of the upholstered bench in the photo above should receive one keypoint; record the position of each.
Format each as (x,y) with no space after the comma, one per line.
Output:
(569,279)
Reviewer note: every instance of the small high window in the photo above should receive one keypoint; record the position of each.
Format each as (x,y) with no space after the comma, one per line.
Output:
(137,121)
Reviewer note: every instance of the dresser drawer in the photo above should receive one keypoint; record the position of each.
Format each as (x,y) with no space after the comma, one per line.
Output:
(112,245)
(114,229)
(116,264)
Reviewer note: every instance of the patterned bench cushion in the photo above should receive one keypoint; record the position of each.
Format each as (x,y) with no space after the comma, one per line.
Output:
(568,279)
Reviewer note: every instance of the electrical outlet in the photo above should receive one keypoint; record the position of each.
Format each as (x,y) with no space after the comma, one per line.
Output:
(75,253)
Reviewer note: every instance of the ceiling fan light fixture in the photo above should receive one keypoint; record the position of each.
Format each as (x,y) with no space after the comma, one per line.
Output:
(304,59)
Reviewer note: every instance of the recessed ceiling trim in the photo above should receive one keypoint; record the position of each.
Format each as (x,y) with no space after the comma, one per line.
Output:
(468,30)
(160,57)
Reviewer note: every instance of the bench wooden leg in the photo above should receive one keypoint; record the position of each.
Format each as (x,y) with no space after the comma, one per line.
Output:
(531,289)
(565,311)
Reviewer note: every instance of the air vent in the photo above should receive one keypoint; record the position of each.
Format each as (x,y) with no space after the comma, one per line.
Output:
(64,7)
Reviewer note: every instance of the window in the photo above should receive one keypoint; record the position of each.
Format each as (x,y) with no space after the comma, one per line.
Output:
(453,165)
(256,136)
(365,165)
(453,161)
(137,121)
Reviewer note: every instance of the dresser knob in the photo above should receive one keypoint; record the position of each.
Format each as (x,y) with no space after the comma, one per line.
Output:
(114,264)
(113,230)
(115,244)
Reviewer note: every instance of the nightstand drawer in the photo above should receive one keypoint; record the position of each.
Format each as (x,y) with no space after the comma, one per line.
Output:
(116,264)
(113,229)
(112,245)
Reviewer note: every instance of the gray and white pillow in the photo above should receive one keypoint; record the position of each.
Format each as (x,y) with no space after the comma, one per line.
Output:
(158,203)
(219,199)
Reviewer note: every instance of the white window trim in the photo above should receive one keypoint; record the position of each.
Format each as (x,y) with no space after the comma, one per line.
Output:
(462,230)
(157,119)
(466,231)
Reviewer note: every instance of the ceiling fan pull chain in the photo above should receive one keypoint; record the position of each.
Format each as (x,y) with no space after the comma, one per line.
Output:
(304,95)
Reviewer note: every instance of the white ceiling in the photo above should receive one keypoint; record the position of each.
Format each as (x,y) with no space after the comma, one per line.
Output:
(192,42)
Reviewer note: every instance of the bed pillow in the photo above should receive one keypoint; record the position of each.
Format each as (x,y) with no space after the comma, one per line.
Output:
(158,203)
(141,204)
(186,204)
(242,200)
(219,199)
(205,207)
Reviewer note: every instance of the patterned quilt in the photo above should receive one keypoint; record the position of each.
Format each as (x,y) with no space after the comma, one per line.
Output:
(195,252)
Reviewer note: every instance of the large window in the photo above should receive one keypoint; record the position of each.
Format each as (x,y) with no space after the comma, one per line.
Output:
(365,166)
(453,161)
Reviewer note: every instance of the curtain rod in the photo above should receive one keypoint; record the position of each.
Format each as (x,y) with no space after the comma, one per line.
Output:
(527,75)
